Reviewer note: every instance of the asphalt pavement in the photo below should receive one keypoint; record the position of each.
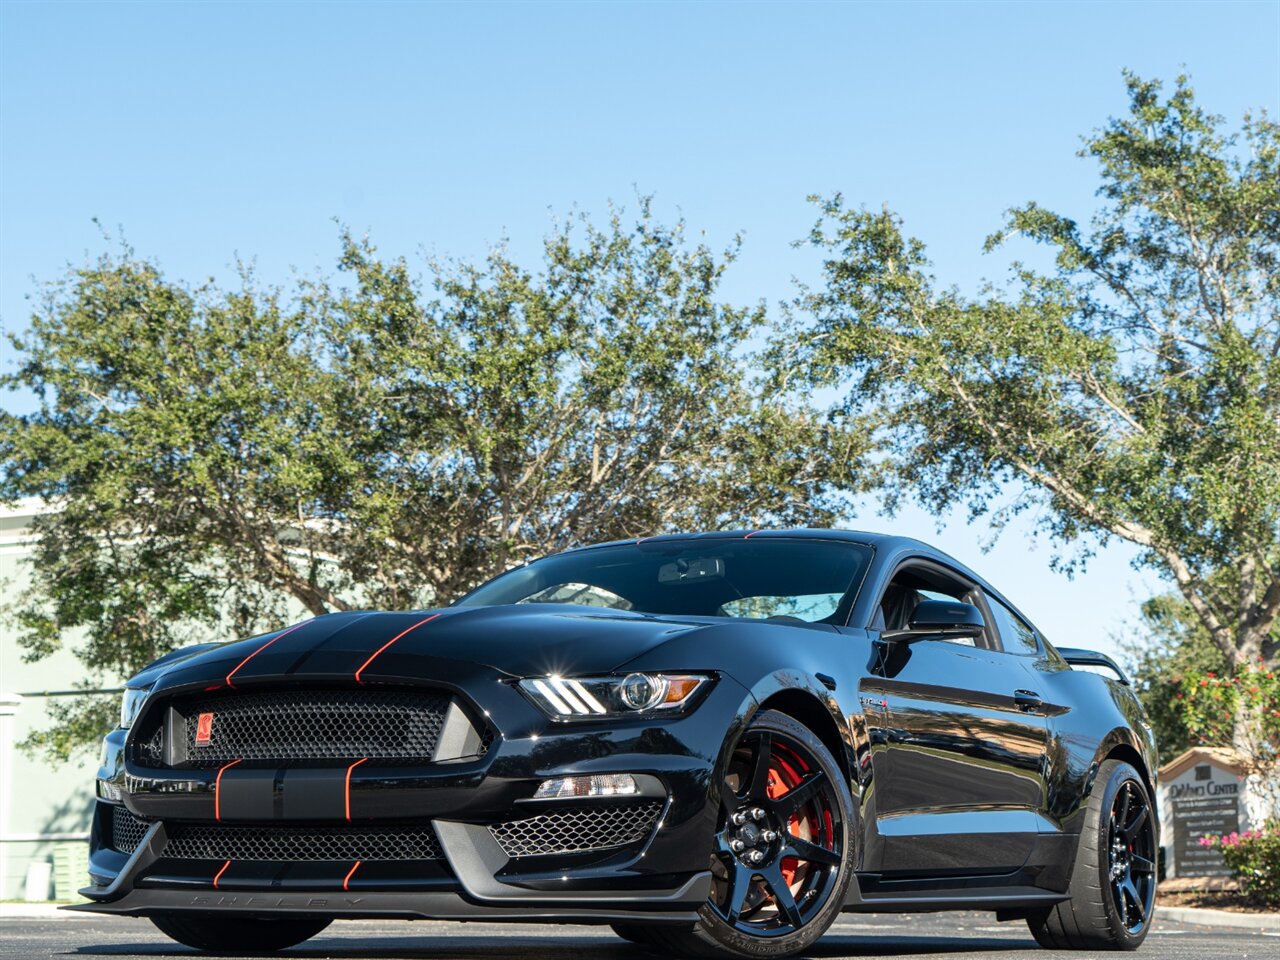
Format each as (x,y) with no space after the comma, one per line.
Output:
(973,936)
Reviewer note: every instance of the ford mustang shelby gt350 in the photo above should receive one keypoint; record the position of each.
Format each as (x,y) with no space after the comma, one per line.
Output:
(714,743)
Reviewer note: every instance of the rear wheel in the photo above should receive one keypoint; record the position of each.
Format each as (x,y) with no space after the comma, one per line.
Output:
(1113,883)
(230,935)
(783,854)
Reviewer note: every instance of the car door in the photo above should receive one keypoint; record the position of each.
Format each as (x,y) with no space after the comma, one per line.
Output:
(957,744)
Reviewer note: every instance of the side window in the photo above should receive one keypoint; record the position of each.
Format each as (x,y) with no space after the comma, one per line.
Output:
(1015,634)
(909,586)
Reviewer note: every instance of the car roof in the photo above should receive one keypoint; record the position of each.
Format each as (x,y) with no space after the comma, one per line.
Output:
(808,533)
(882,542)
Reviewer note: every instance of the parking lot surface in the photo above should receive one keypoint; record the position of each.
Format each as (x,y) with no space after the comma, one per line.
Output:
(973,936)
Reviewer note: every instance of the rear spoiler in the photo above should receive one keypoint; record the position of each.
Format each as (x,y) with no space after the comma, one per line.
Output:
(1092,658)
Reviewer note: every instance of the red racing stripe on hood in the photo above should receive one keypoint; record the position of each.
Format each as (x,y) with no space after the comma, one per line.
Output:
(377,653)
(282,633)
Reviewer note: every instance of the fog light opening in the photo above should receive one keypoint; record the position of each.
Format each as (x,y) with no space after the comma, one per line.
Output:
(600,785)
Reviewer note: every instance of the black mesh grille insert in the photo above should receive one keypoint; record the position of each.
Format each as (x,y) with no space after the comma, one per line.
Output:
(126,830)
(280,844)
(577,829)
(293,844)
(399,725)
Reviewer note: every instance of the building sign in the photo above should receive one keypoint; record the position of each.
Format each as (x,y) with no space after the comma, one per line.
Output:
(1203,799)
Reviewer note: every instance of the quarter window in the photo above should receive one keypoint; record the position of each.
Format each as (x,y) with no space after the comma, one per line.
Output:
(1015,634)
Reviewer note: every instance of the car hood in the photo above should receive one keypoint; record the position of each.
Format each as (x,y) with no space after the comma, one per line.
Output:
(517,640)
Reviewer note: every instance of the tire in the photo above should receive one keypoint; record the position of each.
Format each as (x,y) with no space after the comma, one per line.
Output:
(231,935)
(803,798)
(1113,881)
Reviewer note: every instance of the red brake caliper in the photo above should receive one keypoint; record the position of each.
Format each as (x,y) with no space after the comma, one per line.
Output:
(783,777)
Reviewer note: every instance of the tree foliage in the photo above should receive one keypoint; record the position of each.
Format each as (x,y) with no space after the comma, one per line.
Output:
(1168,644)
(1241,711)
(218,458)
(1132,392)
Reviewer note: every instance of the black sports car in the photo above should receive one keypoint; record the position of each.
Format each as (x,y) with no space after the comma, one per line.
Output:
(714,743)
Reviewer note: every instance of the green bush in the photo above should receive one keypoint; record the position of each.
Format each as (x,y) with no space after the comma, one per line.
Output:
(1255,858)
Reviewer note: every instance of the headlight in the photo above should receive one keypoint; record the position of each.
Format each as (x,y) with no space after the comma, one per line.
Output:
(584,698)
(131,705)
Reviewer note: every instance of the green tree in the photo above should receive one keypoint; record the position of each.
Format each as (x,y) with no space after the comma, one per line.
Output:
(1243,711)
(216,459)
(1132,392)
(1169,644)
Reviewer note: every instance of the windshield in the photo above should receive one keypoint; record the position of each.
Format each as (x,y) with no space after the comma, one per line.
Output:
(809,580)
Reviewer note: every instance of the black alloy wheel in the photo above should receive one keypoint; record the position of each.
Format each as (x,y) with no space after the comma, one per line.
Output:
(781,840)
(782,852)
(1131,856)
(1110,901)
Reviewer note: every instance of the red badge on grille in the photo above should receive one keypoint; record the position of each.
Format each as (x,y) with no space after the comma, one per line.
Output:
(204,729)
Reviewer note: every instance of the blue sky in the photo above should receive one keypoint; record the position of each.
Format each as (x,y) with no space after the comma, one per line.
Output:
(211,131)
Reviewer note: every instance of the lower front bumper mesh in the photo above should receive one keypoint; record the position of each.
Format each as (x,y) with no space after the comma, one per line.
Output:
(562,830)
(282,843)
(578,829)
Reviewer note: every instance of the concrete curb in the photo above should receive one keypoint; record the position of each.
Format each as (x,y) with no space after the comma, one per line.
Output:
(1262,922)
(34,911)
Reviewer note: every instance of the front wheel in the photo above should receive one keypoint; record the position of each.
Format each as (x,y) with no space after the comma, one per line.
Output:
(1113,883)
(783,852)
(231,935)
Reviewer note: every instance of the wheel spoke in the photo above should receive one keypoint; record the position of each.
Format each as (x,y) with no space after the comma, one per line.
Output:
(800,794)
(759,789)
(1121,901)
(728,798)
(1139,819)
(1141,865)
(805,850)
(1122,814)
(1132,890)
(786,903)
(739,886)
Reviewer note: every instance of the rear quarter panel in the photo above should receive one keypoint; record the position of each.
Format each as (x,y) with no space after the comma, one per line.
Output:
(1095,716)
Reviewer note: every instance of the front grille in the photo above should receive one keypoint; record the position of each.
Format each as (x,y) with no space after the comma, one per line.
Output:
(577,829)
(126,830)
(151,752)
(316,725)
(281,844)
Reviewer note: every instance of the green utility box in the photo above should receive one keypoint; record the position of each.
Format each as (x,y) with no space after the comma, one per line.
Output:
(70,869)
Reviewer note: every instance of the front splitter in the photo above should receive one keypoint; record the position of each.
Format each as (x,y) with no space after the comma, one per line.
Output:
(681,907)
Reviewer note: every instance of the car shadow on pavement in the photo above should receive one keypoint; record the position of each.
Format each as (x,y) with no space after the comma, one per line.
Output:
(834,945)
(562,948)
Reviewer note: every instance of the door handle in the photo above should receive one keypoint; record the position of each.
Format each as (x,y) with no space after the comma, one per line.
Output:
(1027,701)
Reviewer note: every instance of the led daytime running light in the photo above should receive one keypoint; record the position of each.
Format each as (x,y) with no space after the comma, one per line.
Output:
(585,698)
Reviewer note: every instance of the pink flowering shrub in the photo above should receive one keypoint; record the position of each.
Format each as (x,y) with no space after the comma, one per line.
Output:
(1255,857)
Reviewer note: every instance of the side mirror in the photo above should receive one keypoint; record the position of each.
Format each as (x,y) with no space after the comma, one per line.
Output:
(948,619)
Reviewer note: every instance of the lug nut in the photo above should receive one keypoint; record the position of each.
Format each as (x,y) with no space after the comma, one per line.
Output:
(739,818)
(737,846)
(770,835)
(756,857)
(757,814)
